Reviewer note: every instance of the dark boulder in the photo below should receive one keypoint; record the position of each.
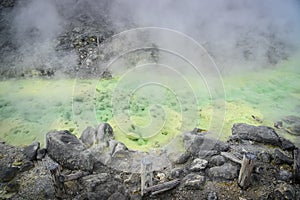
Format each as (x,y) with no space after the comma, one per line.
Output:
(117,196)
(224,172)
(66,149)
(8,173)
(104,133)
(101,135)
(262,134)
(88,136)
(286,144)
(41,153)
(177,172)
(31,150)
(217,160)
(202,146)
(281,158)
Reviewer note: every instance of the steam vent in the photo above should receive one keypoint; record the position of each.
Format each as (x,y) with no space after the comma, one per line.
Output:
(137,99)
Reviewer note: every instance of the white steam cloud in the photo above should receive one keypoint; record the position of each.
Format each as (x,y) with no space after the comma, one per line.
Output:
(239,34)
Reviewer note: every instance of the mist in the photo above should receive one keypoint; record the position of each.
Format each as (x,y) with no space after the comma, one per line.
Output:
(239,35)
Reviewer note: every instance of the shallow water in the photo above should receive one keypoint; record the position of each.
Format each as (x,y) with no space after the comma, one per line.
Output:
(29,108)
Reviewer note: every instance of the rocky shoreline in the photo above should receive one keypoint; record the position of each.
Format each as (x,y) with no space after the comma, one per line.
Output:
(95,166)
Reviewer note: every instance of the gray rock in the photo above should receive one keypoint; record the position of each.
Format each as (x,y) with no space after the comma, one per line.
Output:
(264,157)
(217,160)
(262,134)
(88,136)
(116,148)
(198,164)
(41,153)
(104,132)
(193,181)
(66,149)
(224,172)
(284,191)
(27,165)
(91,181)
(183,158)
(286,144)
(203,146)
(8,173)
(117,196)
(212,196)
(12,187)
(177,172)
(31,150)
(101,135)
(285,175)
(281,158)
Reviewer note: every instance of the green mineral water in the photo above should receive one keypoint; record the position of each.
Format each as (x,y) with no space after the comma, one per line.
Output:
(151,116)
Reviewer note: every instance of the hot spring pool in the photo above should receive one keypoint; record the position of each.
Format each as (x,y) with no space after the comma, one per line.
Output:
(29,108)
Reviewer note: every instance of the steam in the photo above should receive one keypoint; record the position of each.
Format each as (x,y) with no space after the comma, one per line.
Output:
(240,35)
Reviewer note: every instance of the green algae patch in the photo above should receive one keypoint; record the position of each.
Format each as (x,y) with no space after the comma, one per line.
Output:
(136,139)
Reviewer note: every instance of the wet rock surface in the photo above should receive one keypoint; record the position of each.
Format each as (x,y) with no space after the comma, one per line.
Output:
(98,167)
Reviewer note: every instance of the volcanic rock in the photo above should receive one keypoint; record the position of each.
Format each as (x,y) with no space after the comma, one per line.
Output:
(31,150)
(12,187)
(101,135)
(224,172)
(27,165)
(117,196)
(193,181)
(284,191)
(262,134)
(8,173)
(286,144)
(66,149)
(281,158)
(285,175)
(212,196)
(176,172)
(264,157)
(88,136)
(202,146)
(198,164)
(179,157)
(41,153)
(217,160)
(104,133)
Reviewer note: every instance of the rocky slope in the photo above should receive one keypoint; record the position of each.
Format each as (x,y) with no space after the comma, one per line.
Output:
(95,166)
